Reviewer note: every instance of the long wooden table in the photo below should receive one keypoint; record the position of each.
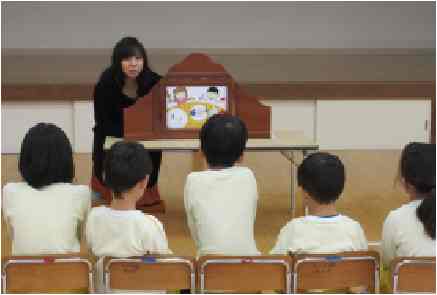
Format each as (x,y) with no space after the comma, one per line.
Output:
(289,143)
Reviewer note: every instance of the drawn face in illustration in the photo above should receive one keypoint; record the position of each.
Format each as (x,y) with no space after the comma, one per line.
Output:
(180,94)
(212,93)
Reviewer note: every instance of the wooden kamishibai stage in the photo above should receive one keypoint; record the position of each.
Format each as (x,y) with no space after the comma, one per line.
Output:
(170,116)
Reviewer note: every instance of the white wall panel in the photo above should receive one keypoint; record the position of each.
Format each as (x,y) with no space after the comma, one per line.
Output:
(83,123)
(334,124)
(364,124)
(293,115)
(18,117)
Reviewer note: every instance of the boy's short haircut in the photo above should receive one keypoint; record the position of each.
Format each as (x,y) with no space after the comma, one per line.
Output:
(46,156)
(322,176)
(223,139)
(212,89)
(126,164)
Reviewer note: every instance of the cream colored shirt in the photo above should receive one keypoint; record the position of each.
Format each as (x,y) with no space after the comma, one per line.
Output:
(404,235)
(221,210)
(314,234)
(46,220)
(124,233)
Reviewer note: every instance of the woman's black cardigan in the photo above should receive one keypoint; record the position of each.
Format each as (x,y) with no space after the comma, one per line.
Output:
(109,102)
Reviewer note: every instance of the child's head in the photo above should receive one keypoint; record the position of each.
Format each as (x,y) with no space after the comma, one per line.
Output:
(223,139)
(127,166)
(417,172)
(417,167)
(46,156)
(322,177)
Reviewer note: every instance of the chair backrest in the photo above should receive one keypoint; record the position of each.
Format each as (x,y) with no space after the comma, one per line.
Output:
(47,274)
(244,273)
(413,275)
(338,273)
(149,273)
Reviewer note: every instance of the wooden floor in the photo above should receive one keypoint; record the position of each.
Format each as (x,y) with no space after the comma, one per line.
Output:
(370,193)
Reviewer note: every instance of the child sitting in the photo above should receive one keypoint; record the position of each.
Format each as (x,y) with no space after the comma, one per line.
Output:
(120,230)
(221,202)
(44,213)
(410,229)
(321,177)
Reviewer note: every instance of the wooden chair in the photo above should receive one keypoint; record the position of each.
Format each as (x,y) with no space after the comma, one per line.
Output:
(47,274)
(413,275)
(338,273)
(149,273)
(238,274)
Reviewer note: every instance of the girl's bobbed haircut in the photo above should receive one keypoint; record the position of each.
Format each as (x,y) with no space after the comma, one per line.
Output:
(125,48)
(46,156)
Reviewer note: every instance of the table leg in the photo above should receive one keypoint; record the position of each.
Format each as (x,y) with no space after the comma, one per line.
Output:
(294,161)
(293,183)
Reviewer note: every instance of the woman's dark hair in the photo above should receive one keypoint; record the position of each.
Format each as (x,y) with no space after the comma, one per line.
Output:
(126,164)
(223,139)
(417,168)
(125,48)
(46,156)
(322,176)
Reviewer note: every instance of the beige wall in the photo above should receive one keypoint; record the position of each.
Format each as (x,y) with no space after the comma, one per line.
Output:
(220,24)
(69,66)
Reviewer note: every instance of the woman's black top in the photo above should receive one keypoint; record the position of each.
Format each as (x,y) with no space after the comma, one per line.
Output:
(109,102)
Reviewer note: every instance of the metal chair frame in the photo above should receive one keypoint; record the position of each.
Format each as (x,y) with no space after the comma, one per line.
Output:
(397,267)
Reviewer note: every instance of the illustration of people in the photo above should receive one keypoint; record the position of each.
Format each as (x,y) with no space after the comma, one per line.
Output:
(176,118)
(191,106)
(212,94)
(171,102)
(180,94)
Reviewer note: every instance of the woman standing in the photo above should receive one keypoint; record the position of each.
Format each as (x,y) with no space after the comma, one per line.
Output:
(119,87)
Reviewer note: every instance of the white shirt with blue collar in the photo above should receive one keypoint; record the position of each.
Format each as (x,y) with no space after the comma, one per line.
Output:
(320,234)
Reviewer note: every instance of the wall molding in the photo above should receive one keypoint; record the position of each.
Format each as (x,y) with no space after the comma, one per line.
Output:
(267,90)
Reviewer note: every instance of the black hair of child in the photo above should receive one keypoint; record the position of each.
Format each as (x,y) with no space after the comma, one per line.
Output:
(46,156)
(322,176)
(417,168)
(223,139)
(126,164)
